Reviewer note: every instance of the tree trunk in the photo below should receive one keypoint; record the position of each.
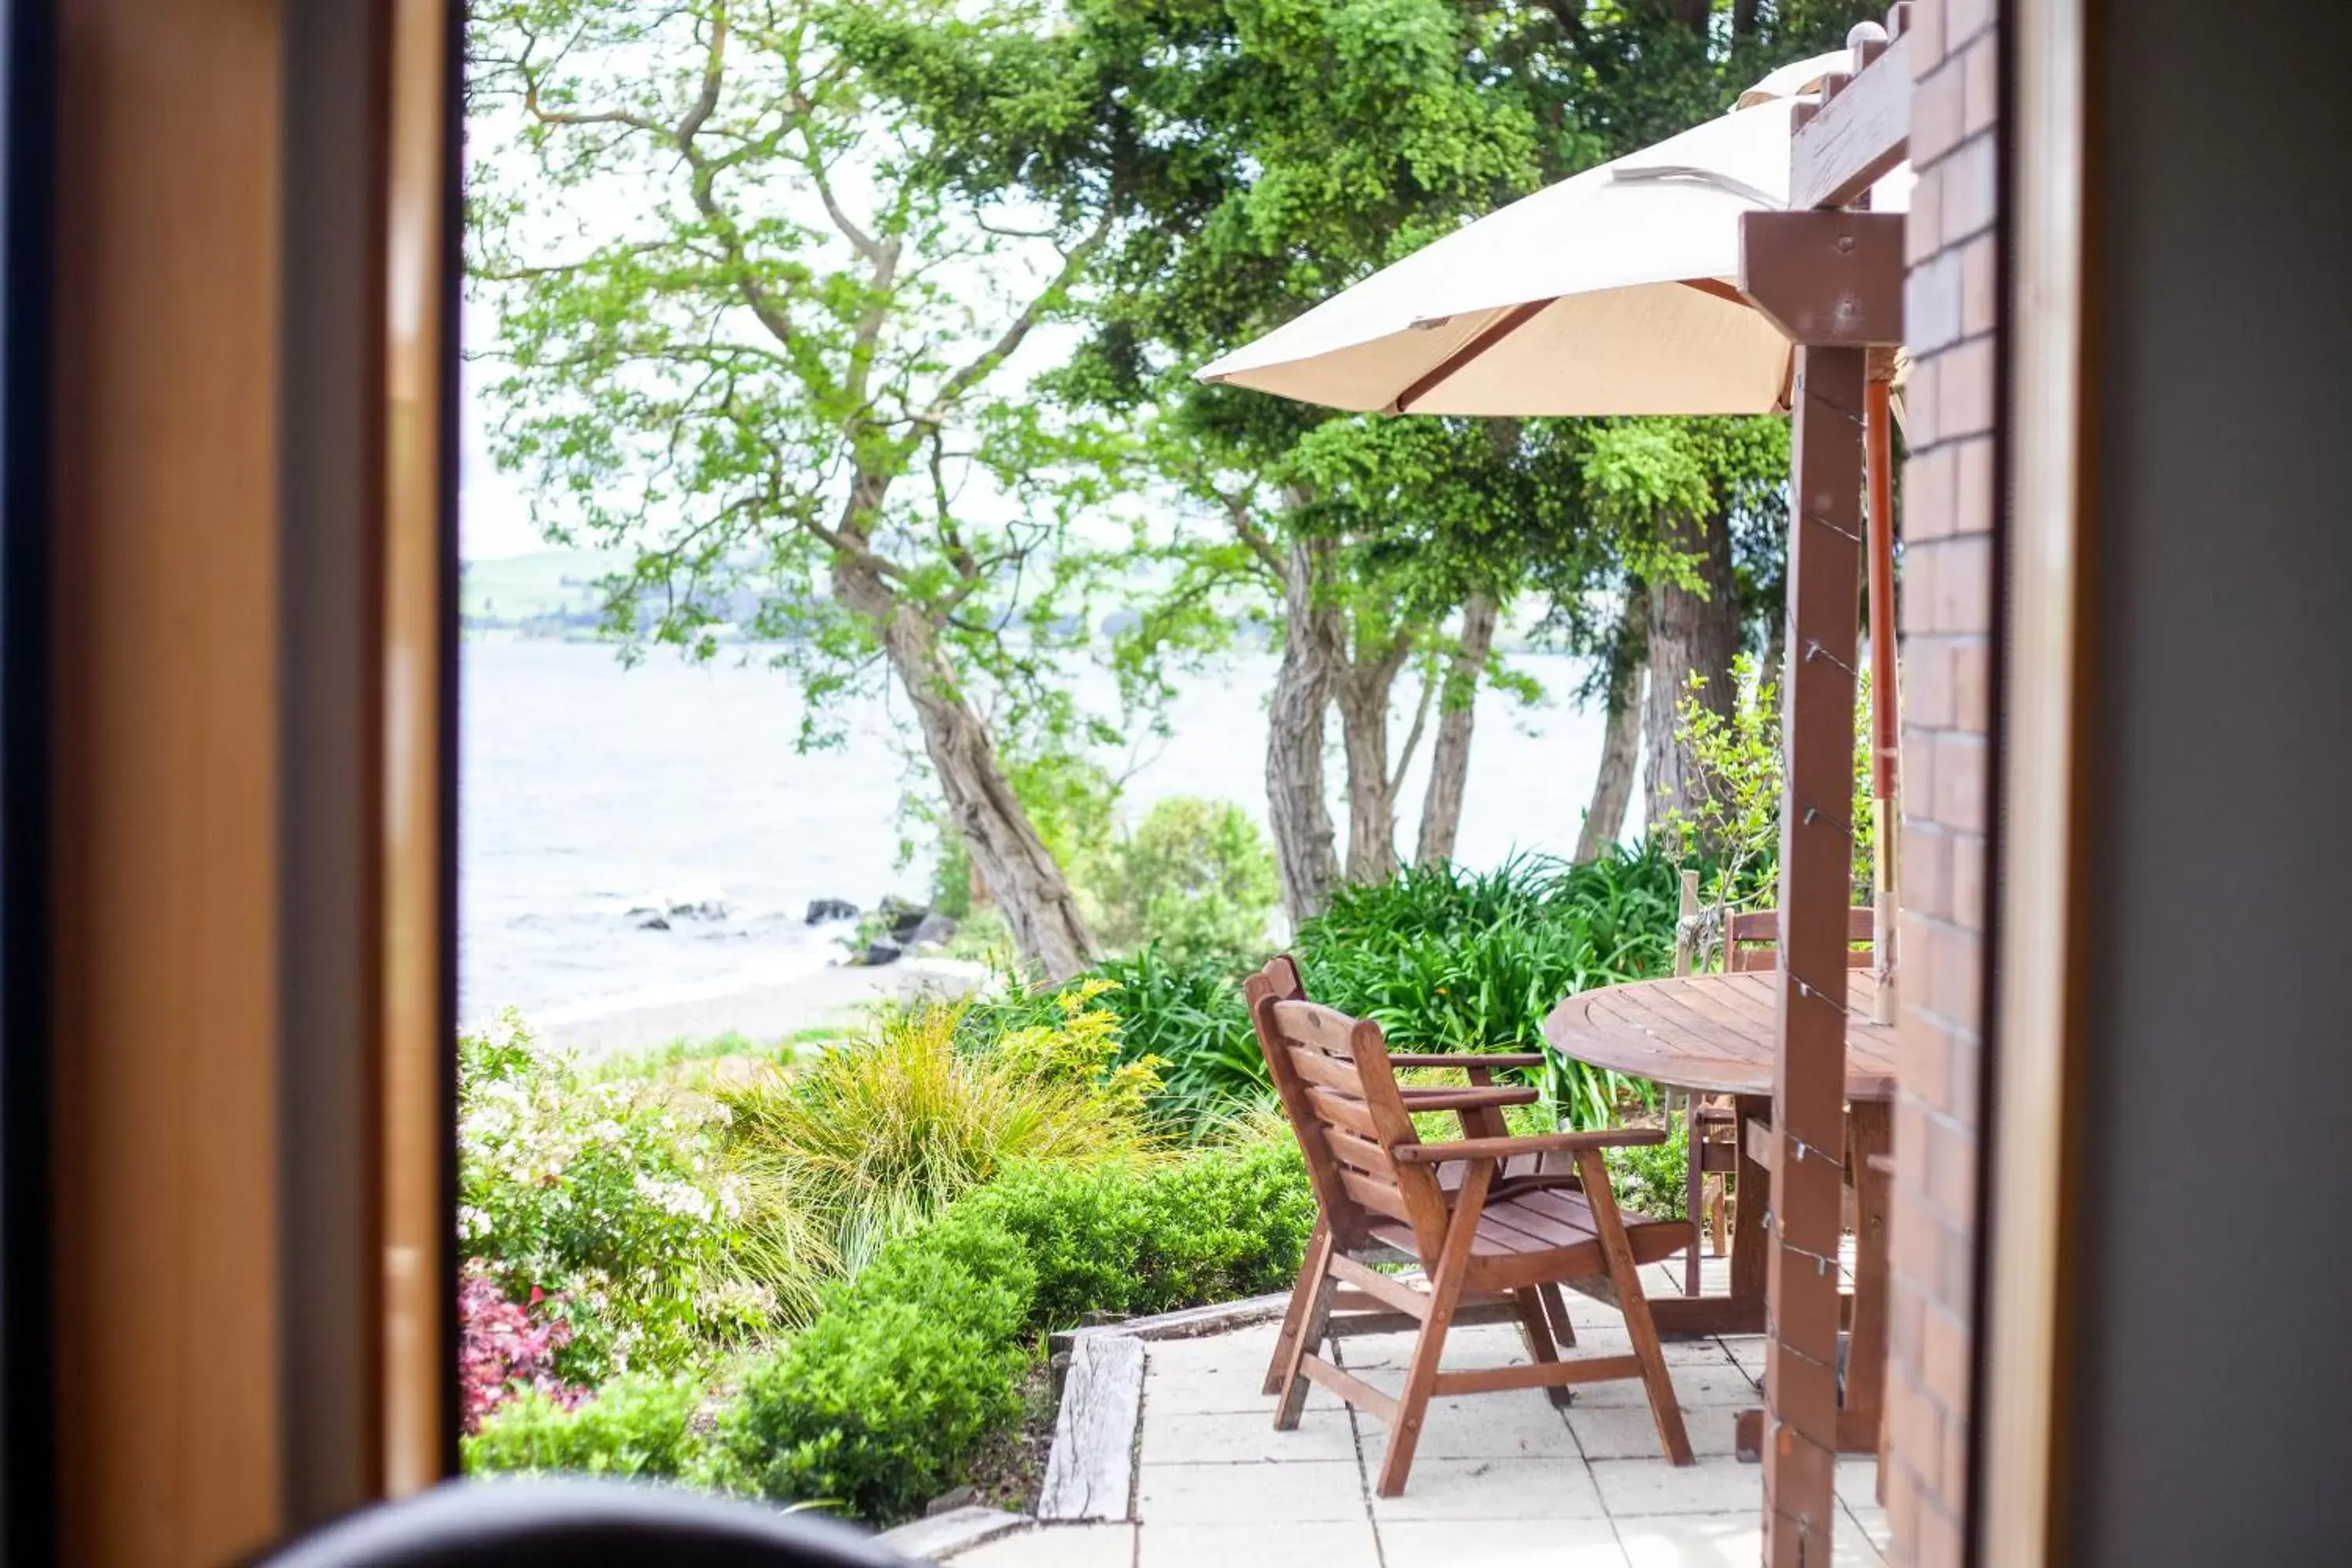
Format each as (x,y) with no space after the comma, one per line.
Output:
(1691,632)
(1312,647)
(1621,752)
(1011,861)
(1449,763)
(1362,690)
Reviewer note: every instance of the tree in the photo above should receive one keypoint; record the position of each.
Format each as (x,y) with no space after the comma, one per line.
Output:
(1259,155)
(750,336)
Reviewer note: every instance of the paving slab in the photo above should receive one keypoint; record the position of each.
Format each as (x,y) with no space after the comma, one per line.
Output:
(1716,1485)
(1721,1540)
(1056,1546)
(1501,1543)
(1246,1436)
(1493,1489)
(1306,1491)
(1339,1544)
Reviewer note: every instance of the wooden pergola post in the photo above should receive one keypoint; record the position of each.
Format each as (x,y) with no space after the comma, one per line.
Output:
(1833,280)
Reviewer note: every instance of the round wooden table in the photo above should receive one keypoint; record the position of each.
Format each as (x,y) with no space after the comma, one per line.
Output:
(1714,1034)
(1718,1034)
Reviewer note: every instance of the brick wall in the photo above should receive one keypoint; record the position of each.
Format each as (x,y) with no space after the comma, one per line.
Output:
(1947,623)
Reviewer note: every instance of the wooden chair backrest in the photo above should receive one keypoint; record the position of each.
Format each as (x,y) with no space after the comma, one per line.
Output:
(1341,1095)
(1752,940)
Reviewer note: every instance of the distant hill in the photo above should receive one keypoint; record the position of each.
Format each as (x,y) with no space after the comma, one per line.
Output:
(545,589)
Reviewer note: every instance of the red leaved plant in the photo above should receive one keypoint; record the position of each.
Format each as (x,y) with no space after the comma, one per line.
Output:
(500,1350)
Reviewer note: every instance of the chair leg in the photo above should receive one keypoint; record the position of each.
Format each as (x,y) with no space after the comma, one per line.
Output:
(1445,1294)
(1638,1328)
(1302,1296)
(1310,1334)
(1538,1334)
(1694,1195)
(1563,1333)
(1718,1207)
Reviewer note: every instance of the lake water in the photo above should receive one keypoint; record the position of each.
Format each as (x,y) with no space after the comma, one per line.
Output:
(588,791)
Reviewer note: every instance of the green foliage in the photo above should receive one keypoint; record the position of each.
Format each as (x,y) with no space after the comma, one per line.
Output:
(1650,1178)
(607,1196)
(874,1407)
(638,1428)
(1445,959)
(868,1140)
(879,1404)
(1735,826)
(1197,880)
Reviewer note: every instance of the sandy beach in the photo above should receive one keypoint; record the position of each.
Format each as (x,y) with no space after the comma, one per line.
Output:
(831,995)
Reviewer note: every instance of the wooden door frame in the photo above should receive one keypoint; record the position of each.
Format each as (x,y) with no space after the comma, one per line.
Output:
(2037,1064)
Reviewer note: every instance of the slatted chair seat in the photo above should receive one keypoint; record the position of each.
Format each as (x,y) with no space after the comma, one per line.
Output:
(1501,1235)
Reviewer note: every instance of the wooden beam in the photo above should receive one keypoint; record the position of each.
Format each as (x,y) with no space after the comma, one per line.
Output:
(1816,869)
(1826,278)
(1516,317)
(1856,135)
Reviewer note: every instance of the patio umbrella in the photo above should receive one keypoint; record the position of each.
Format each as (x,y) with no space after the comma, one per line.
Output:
(1611,292)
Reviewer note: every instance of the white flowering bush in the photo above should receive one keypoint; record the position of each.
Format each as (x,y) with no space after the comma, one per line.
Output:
(608,1203)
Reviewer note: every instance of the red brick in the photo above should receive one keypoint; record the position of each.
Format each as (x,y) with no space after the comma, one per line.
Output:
(1952,1173)
(1969,193)
(1955,992)
(1938,1545)
(1902,1508)
(1918,771)
(1964,881)
(1968,1079)
(1907,1323)
(1927,862)
(1936,109)
(1926,37)
(1955,1481)
(1973,493)
(1917,1426)
(1963,20)
(1916,1248)
(1924,1062)
(1928,492)
(1961,764)
(1961,596)
(1980,97)
(1979,303)
(1919,404)
(1946,1349)
(1932,303)
(1927,692)
(1923,226)
(1964,389)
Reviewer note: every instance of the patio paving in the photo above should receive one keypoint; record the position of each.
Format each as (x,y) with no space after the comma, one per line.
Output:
(1501,1481)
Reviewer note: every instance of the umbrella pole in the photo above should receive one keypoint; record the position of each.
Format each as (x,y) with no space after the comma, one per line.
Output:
(1878,456)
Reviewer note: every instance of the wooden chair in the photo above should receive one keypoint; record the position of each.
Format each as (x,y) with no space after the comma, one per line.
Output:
(1751,941)
(1492,1240)
(1479,1104)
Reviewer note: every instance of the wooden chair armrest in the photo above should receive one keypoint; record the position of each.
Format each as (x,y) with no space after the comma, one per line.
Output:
(1536,1143)
(1472,1060)
(1440,1098)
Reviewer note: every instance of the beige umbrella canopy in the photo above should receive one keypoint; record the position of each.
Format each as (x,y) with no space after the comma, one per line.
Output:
(1610,293)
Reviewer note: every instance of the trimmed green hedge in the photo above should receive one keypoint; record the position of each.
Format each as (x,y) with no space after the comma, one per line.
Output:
(879,1404)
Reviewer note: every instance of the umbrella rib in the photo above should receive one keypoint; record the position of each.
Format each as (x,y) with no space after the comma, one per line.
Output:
(1518,317)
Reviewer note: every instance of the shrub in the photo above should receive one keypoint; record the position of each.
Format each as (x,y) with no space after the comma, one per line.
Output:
(1225,1224)
(502,1351)
(1446,960)
(868,1140)
(881,1401)
(1651,1178)
(1189,1019)
(1197,880)
(876,1406)
(605,1200)
(635,1427)
(1733,829)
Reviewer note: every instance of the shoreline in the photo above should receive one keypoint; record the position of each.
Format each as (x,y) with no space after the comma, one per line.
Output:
(836,995)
